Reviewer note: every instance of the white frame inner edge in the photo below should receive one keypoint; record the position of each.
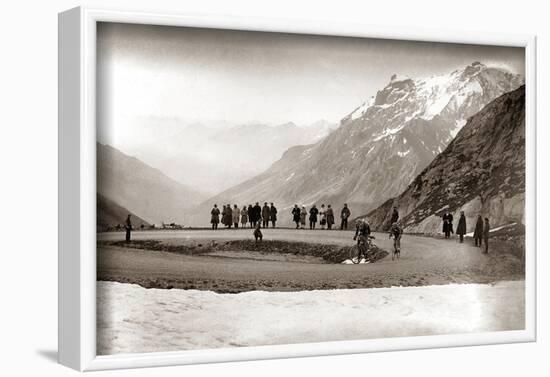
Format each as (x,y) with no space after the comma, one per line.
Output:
(77,189)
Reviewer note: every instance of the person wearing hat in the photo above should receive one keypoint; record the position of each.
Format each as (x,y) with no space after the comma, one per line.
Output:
(344,215)
(128,227)
(265,215)
(461,228)
(215,219)
(362,233)
(478,232)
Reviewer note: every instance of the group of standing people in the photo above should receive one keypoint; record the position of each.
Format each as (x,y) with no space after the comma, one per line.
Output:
(481,230)
(324,215)
(253,215)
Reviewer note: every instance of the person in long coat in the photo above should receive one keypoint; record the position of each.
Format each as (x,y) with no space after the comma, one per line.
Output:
(323,216)
(224,215)
(478,232)
(461,228)
(273,215)
(128,227)
(330,217)
(236,216)
(257,213)
(215,219)
(296,215)
(313,212)
(244,216)
(229,215)
(303,215)
(486,229)
(344,216)
(265,215)
(251,216)
(447,224)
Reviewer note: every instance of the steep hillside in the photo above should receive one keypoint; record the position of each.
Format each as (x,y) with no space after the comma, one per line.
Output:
(110,214)
(482,171)
(381,146)
(142,189)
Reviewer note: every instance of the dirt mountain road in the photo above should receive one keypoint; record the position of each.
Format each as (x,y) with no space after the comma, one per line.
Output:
(424,261)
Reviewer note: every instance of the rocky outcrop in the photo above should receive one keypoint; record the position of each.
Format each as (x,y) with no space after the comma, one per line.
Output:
(482,171)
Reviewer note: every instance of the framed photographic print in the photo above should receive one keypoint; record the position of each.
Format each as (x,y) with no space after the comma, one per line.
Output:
(239,189)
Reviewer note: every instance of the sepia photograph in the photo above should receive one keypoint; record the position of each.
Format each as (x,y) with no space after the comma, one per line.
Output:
(261,188)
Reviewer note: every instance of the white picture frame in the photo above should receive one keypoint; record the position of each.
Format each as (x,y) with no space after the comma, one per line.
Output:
(77,190)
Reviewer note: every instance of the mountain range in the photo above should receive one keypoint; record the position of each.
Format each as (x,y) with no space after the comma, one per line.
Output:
(380,147)
(213,159)
(482,171)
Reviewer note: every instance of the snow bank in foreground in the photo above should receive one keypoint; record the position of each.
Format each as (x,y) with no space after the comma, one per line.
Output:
(134,319)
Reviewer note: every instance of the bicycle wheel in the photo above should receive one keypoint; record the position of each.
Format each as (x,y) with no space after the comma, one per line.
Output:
(363,249)
(354,254)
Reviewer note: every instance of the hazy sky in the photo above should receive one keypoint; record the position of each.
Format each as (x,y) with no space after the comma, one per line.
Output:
(206,74)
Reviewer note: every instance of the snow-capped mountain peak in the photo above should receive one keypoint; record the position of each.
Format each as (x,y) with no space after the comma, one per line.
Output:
(456,95)
(383,144)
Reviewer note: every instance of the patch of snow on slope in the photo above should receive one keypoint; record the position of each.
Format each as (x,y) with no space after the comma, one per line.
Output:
(134,319)
(290,177)
(458,126)
(360,111)
(403,154)
(388,132)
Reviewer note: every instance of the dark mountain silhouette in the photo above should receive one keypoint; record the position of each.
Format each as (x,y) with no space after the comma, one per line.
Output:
(142,189)
(110,214)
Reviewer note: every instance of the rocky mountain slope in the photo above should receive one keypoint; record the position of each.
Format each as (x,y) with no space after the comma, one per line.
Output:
(110,214)
(142,189)
(381,146)
(482,171)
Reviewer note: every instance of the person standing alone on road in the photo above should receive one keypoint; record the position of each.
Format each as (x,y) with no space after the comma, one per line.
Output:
(486,229)
(344,215)
(478,232)
(265,215)
(461,228)
(296,215)
(313,212)
(128,227)
(273,215)
(215,219)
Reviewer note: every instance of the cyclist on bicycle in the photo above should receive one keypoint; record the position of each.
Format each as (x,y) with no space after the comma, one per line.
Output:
(396,231)
(362,234)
